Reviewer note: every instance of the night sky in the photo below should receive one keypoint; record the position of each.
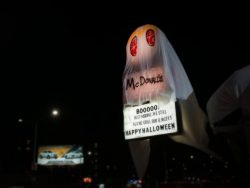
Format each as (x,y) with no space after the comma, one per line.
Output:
(73,59)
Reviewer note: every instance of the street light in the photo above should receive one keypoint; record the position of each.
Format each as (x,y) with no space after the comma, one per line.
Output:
(54,113)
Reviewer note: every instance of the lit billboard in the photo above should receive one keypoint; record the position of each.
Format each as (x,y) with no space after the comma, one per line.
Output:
(60,155)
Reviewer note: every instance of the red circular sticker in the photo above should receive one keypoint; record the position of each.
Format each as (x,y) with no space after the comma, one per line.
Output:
(150,36)
(133,46)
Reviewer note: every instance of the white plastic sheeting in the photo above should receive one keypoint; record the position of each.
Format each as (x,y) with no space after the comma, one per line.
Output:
(150,56)
(149,53)
(233,94)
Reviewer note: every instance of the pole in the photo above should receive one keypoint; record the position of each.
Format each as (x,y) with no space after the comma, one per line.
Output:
(34,164)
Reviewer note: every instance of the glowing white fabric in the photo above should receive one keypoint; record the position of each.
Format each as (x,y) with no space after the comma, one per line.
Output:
(148,61)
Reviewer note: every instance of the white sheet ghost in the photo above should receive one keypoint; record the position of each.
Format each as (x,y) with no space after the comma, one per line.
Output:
(232,95)
(151,57)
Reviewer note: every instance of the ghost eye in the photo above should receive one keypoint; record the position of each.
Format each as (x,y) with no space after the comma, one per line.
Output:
(133,46)
(150,37)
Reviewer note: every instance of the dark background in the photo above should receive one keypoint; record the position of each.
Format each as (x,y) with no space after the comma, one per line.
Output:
(72,57)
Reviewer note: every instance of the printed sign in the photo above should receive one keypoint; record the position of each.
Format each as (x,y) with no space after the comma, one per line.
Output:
(155,118)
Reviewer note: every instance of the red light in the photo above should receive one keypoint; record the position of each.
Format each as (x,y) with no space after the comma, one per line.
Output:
(87,180)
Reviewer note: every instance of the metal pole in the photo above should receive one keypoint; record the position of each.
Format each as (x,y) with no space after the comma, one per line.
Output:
(34,165)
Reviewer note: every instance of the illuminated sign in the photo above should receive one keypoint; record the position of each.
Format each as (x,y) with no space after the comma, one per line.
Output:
(60,155)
